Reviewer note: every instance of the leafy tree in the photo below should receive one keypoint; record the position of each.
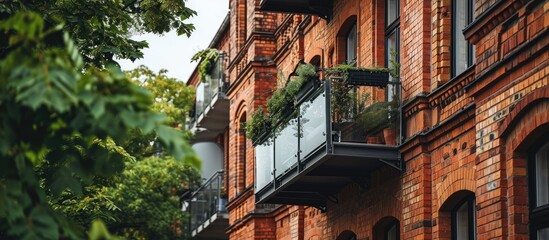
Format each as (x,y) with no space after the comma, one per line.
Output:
(65,110)
(102,28)
(172,97)
(141,202)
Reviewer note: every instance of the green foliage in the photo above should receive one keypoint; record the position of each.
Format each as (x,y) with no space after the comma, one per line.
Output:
(394,68)
(65,115)
(341,100)
(281,101)
(258,125)
(102,27)
(207,58)
(141,202)
(171,97)
(343,70)
(378,116)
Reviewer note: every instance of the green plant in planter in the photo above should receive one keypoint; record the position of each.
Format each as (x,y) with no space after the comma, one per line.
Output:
(207,58)
(282,99)
(307,71)
(378,116)
(343,70)
(279,102)
(258,125)
(341,100)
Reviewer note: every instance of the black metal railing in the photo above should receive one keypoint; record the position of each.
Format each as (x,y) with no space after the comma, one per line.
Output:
(207,201)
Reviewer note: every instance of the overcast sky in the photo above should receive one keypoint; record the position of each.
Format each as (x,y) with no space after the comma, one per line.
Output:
(174,52)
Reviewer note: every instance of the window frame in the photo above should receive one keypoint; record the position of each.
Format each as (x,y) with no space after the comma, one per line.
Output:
(354,27)
(470,11)
(538,215)
(387,228)
(390,29)
(471,223)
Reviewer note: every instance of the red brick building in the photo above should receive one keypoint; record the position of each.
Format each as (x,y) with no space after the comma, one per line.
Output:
(471,157)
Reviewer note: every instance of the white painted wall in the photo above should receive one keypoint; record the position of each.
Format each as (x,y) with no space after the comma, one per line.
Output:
(212,158)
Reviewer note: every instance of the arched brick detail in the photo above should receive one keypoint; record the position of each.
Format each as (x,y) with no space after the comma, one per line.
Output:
(242,107)
(458,180)
(525,124)
(522,107)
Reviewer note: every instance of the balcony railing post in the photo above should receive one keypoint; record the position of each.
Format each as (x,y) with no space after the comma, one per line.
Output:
(299,133)
(328,96)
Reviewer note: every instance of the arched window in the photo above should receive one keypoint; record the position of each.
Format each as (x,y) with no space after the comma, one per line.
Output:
(463,53)
(463,219)
(346,235)
(241,157)
(346,42)
(538,175)
(459,213)
(350,45)
(388,228)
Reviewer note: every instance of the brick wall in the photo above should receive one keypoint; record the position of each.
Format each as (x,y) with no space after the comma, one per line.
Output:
(464,135)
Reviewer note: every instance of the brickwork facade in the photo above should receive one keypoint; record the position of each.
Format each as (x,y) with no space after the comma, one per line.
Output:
(468,136)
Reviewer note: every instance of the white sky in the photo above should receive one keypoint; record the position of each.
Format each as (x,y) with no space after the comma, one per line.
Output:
(174,52)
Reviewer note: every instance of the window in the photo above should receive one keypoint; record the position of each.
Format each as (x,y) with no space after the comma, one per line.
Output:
(350,46)
(392,39)
(346,235)
(463,220)
(241,159)
(462,52)
(387,228)
(539,197)
(392,231)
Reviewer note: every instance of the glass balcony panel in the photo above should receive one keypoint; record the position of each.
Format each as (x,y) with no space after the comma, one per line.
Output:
(359,117)
(207,201)
(207,92)
(286,147)
(264,156)
(198,210)
(313,125)
(200,99)
(215,78)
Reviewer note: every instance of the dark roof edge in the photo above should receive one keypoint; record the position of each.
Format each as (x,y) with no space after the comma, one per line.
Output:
(219,34)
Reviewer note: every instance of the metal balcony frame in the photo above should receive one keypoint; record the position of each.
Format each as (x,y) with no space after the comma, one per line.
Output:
(363,155)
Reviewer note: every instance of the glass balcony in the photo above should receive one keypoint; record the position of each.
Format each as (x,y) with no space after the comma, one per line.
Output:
(211,114)
(339,135)
(208,216)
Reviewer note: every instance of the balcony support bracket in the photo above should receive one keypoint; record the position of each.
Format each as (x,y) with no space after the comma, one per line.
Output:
(395,163)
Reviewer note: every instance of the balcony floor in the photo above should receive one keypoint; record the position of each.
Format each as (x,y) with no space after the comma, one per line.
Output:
(213,228)
(317,180)
(213,121)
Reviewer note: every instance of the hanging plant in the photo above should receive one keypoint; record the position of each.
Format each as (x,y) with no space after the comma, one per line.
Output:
(207,58)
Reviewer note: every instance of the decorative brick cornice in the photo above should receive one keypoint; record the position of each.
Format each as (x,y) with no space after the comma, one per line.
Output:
(426,137)
(518,57)
(452,90)
(414,105)
(489,19)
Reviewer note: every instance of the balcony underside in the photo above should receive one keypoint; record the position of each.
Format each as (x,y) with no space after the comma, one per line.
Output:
(213,228)
(321,8)
(213,121)
(316,181)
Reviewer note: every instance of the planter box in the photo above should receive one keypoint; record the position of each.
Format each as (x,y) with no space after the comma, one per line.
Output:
(367,78)
(306,90)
